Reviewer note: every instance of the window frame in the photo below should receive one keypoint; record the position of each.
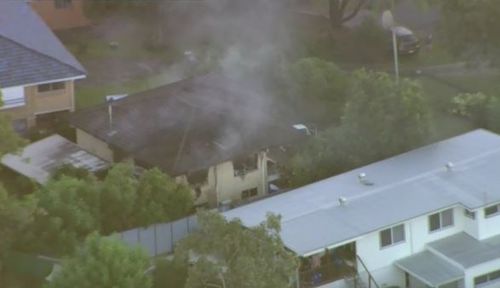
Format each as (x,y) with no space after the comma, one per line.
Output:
(391,232)
(249,193)
(63,4)
(52,86)
(440,215)
(487,278)
(497,207)
(469,214)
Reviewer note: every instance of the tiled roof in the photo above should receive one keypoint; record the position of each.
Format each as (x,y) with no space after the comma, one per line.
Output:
(20,65)
(21,25)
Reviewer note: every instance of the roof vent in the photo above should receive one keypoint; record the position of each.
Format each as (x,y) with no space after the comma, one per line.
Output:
(449,166)
(362,179)
(342,201)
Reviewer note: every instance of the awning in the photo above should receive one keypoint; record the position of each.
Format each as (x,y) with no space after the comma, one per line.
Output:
(430,269)
(41,159)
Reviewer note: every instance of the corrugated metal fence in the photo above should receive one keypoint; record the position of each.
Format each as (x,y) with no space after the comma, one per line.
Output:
(160,239)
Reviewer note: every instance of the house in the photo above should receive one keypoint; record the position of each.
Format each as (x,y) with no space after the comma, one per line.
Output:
(426,218)
(208,131)
(37,73)
(61,14)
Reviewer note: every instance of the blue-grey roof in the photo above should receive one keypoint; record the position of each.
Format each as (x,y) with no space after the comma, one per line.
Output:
(467,251)
(20,24)
(20,65)
(430,268)
(406,186)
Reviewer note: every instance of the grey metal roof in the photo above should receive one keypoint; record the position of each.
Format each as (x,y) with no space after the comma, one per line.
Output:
(406,186)
(20,65)
(20,24)
(41,159)
(466,250)
(430,268)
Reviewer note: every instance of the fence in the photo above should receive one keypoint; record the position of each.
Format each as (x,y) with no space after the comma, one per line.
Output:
(161,238)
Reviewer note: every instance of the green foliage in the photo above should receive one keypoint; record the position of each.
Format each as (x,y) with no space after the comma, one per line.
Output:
(71,171)
(118,198)
(318,89)
(381,119)
(104,262)
(169,274)
(70,211)
(225,251)
(474,106)
(388,117)
(469,27)
(15,216)
(10,140)
(161,199)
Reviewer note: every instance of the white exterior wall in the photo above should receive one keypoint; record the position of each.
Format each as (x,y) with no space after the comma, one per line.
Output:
(471,226)
(222,185)
(379,261)
(479,270)
(487,226)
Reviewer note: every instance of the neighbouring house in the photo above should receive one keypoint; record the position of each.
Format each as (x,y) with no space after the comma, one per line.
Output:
(37,73)
(426,218)
(209,132)
(61,14)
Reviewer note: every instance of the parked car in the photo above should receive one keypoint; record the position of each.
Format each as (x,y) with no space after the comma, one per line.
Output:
(407,42)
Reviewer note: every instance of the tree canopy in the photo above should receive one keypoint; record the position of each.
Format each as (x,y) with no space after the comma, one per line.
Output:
(381,118)
(469,28)
(70,211)
(104,262)
(318,89)
(223,251)
(15,216)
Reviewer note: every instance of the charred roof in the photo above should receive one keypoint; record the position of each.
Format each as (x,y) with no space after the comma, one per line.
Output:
(191,124)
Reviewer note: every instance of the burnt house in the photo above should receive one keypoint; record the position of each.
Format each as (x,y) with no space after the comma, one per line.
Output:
(209,131)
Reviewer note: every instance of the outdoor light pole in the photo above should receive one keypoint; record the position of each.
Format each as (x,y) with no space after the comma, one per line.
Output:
(388,23)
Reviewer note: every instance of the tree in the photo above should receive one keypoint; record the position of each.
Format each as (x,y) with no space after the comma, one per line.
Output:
(161,199)
(226,254)
(15,216)
(469,28)
(318,89)
(118,198)
(70,211)
(104,262)
(386,118)
(381,119)
(341,11)
(10,140)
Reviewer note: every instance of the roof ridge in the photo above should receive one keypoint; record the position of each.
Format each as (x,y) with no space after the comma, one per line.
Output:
(376,190)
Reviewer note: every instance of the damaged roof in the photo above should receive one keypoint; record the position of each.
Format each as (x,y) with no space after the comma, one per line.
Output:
(29,51)
(189,125)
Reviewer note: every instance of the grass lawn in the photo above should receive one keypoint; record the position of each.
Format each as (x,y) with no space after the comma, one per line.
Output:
(87,96)
(445,124)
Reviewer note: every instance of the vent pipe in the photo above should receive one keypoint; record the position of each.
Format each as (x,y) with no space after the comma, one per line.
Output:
(449,166)
(342,201)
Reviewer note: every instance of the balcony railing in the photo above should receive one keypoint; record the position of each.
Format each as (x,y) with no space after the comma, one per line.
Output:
(326,273)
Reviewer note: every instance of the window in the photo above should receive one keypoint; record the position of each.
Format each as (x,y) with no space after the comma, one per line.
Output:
(243,165)
(441,220)
(51,87)
(469,214)
(491,210)
(62,4)
(392,235)
(492,276)
(249,193)
(12,97)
